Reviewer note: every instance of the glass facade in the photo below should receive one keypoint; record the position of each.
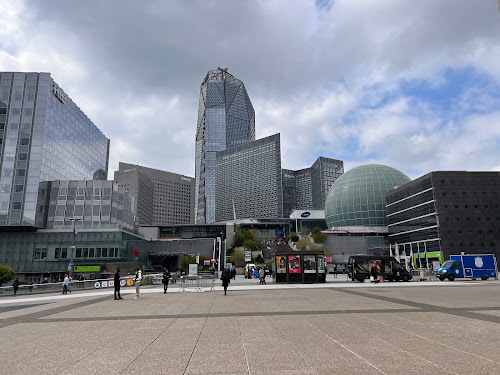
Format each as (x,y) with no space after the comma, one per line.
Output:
(99,204)
(249,179)
(226,119)
(43,136)
(358,197)
(306,189)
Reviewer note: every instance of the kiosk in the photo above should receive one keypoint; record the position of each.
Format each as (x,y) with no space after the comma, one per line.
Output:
(305,266)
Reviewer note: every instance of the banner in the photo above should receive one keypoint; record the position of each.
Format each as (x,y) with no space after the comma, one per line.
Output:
(281,264)
(294,263)
(309,263)
(321,264)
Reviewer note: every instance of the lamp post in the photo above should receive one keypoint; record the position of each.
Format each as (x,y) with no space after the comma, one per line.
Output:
(71,266)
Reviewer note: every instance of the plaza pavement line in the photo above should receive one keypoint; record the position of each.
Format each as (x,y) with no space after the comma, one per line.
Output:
(159,289)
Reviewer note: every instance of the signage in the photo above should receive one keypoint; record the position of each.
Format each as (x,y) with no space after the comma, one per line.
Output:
(321,264)
(206,262)
(87,268)
(309,263)
(248,259)
(214,261)
(130,282)
(193,269)
(111,283)
(294,263)
(197,259)
(136,252)
(248,253)
(281,264)
(123,282)
(97,285)
(104,284)
(305,214)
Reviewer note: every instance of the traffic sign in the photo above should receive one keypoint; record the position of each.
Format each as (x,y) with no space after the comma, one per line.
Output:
(130,282)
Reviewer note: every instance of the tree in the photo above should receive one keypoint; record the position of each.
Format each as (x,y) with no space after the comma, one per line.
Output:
(259,259)
(307,244)
(6,274)
(246,238)
(238,257)
(317,236)
(293,236)
(188,259)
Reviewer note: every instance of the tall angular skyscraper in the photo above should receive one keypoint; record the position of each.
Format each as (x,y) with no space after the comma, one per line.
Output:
(226,118)
(44,136)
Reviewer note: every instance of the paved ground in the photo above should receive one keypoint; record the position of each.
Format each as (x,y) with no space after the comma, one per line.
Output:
(338,327)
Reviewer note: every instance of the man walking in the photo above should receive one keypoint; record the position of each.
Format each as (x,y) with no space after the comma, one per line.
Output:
(15,285)
(117,284)
(226,279)
(261,275)
(138,279)
(66,285)
(166,277)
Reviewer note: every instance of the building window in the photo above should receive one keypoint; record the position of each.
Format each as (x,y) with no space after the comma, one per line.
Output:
(40,253)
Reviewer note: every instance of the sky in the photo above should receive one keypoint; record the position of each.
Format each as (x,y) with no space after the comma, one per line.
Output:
(410,84)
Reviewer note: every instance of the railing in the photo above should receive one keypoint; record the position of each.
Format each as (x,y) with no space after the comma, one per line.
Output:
(196,283)
(423,274)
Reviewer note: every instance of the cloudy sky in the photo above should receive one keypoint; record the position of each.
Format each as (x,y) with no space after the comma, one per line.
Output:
(411,84)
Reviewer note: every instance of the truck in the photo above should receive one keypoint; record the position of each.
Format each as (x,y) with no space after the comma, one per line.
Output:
(358,268)
(473,267)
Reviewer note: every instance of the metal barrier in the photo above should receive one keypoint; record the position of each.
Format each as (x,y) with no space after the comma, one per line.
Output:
(196,282)
(423,274)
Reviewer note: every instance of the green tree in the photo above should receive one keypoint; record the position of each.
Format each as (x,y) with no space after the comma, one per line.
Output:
(246,238)
(259,259)
(188,259)
(307,244)
(293,236)
(238,257)
(6,274)
(317,236)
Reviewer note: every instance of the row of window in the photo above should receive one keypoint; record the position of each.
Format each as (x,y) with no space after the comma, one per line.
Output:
(480,231)
(41,253)
(475,206)
(464,193)
(477,219)
(472,244)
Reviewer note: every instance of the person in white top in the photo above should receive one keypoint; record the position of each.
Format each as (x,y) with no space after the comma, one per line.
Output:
(138,279)
(65,285)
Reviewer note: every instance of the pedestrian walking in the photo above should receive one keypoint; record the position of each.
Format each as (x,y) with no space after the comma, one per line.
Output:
(233,274)
(138,279)
(226,279)
(117,284)
(255,275)
(335,270)
(45,282)
(65,285)
(165,280)
(15,285)
(262,274)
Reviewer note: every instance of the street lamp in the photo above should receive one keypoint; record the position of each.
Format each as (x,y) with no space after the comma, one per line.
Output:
(70,268)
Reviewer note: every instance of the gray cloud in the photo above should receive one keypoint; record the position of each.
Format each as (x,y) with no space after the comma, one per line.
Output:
(135,69)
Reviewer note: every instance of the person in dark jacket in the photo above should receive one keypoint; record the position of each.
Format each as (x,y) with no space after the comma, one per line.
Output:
(166,277)
(117,284)
(226,279)
(233,274)
(373,273)
(15,285)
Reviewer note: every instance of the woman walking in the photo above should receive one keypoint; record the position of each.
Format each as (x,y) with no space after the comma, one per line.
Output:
(226,279)
(166,277)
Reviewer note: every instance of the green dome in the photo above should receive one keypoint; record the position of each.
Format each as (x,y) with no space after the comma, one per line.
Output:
(357,198)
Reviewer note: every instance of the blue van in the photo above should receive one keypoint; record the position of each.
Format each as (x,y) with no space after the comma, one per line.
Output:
(473,267)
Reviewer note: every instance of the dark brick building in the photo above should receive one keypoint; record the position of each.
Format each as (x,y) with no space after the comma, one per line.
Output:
(451,212)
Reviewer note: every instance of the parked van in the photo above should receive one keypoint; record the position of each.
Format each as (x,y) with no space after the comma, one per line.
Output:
(358,268)
(249,270)
(473,267)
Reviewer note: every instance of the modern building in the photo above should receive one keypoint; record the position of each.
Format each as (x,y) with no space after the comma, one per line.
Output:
(357,198)
(446,213)
(303,221)
(44,136)
(306,189)
(84,204)
(355,211)
(162,198)
(226,119)
(248,180)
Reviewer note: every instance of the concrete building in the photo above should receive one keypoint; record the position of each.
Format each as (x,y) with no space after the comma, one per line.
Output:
(172,196)
(44,136)
(248,180)
(306,189)
(446,213)
(226,119)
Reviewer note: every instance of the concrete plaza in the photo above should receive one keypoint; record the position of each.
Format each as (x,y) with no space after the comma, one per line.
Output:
(339,327)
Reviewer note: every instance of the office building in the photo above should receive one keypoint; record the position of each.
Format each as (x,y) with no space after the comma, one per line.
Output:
(306,189)
(172,199)
(446,213)
(44,136)
(226,119)
(248,180)
(96,204)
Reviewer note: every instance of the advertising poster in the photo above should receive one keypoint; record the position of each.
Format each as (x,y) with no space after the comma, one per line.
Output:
(281,264)
(309,263)
(321,264)
(294,263)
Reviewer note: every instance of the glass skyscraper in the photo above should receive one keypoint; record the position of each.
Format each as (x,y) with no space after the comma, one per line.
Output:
(44,136)
(226,119)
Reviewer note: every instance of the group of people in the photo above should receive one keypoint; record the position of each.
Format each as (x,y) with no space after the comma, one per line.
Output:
(259,274)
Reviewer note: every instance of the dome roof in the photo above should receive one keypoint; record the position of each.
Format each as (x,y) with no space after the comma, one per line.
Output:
(357,198)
